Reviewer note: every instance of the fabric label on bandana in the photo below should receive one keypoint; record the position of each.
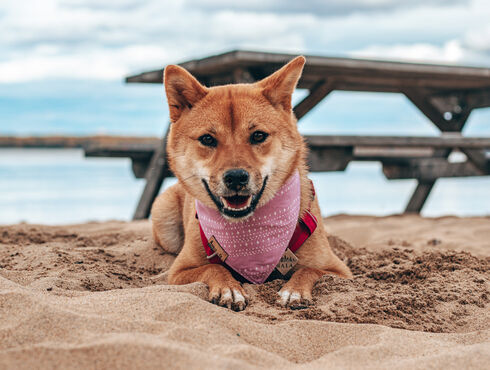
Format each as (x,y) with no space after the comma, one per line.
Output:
(287,262)
(215,247)
(255,245)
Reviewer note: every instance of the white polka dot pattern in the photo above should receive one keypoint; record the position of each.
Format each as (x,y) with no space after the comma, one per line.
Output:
(255,245)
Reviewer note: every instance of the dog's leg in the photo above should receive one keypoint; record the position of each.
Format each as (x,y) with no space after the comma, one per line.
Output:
(296,293)
(224,290)
(166,218)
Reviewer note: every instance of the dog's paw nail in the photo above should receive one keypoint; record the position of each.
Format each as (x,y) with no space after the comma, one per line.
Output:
(294,297)
(284,297)
(299,304)
(293,300)
(239,306)
(226,298)
(231,299)
(239,302)
(238,296)
(214,296)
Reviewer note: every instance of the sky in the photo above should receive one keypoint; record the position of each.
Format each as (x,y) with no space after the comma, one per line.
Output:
(62,62)
(105,40)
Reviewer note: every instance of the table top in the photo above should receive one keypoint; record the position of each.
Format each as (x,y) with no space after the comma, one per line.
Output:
(347,73)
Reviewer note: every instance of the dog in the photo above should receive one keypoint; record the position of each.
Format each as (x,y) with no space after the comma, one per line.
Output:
(235,149)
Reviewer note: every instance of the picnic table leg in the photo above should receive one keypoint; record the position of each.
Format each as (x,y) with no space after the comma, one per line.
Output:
(419,196)
(155,174)
(450,118)
(317,93)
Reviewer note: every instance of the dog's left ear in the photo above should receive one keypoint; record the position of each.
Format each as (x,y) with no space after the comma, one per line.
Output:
(279,86)
(183,91)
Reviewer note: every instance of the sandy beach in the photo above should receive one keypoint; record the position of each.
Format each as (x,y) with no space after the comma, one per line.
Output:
(95,296)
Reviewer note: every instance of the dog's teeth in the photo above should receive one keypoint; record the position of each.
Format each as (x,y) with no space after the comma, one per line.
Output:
(227,206)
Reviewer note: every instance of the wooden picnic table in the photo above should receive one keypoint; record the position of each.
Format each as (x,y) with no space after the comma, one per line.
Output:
(445,94)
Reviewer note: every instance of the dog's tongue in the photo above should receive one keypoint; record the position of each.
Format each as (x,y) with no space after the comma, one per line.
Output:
(237,201)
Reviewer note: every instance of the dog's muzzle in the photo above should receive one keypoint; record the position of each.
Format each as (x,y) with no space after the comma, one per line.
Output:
(237,205)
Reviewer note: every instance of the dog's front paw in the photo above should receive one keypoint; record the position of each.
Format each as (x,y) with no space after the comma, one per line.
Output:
(293,298)
(232,296)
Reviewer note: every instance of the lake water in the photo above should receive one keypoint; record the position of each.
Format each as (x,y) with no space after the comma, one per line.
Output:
(60,186)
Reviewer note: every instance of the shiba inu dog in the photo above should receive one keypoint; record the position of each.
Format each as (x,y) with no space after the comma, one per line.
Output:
(242,187)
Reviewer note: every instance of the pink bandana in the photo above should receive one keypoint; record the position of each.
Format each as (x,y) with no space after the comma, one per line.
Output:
(255,245)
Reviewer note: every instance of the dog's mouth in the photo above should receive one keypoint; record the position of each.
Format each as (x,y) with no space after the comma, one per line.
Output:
(236,202)
(237,205)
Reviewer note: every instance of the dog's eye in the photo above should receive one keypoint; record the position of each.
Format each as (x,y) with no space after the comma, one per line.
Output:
(258,137)
(208,140)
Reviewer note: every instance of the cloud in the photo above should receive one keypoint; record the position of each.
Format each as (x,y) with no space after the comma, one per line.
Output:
(97,64)
(450,52)
(318,7)
(114,5)
(478,40)
(109,39)
(473,48)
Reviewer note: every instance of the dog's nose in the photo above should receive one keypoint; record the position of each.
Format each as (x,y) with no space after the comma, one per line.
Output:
(236,179)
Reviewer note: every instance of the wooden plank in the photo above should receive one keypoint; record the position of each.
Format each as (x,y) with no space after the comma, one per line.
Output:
(150,77)
(445,141)
(375,153)
(319,91)
(430,169)
(478,98)
(382,83)
(333,159)
(429,75)
(143,151)
(72,141)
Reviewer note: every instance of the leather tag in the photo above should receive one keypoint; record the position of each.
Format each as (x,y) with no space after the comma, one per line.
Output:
(216,247)
(287,262)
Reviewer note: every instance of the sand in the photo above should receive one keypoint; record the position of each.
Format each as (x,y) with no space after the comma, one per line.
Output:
(95,296)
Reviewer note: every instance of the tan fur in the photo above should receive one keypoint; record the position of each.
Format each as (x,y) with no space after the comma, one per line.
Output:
(231,114)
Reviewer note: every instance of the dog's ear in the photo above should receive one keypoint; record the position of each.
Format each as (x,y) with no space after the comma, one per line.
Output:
(279,86)
(182,89)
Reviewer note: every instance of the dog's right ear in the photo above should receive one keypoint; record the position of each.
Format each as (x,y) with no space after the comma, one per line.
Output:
(182,89)
(278,87)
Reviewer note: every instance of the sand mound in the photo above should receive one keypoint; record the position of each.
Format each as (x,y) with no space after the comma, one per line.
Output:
(433,291)
(73,295)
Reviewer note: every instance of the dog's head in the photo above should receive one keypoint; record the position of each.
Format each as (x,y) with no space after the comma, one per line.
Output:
(232,147)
